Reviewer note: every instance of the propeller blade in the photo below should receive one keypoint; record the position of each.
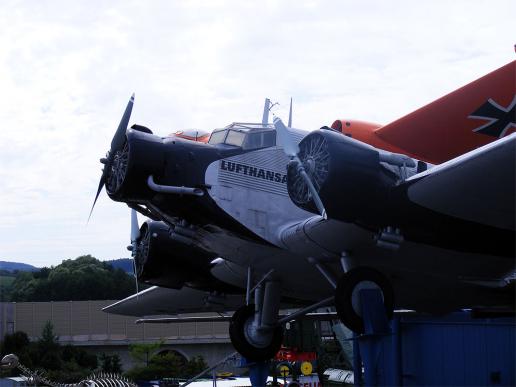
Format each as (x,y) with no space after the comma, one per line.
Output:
(291,150)
(290,114)
(135,229)
(136,280)
(289,147)
(116,143)
(101,185)
(119,137)
(313,191)
(135,234)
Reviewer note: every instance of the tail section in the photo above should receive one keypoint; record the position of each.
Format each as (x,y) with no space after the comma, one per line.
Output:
(463,120)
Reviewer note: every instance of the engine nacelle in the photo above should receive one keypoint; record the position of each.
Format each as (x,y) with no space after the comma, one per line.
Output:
(143,154)
(172,162)
(163,260)
(348,174)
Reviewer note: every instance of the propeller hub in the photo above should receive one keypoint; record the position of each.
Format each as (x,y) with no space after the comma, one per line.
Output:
(314,157)
(141,255)
(309,165)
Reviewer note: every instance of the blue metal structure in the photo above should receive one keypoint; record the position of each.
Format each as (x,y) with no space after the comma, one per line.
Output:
(454,350)
(258,371)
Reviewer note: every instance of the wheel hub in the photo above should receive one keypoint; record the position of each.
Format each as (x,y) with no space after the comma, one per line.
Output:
(259,338)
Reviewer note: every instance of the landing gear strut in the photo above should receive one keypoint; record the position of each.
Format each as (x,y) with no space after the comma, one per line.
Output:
(348,290)
(247,341)
(254,329)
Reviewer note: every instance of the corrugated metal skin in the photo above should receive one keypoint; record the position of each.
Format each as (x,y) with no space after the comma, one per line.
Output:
(451,351)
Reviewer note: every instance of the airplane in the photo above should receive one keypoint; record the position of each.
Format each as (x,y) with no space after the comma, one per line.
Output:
(267,215)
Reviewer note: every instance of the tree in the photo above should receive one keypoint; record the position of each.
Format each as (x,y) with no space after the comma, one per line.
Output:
(14,343)
(194,366)
(48,348)
(18,343)
(143,352)
(83,278)
(64,364)
(110,363)
(168,365)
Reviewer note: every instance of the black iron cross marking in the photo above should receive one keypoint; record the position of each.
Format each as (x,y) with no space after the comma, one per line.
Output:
(500,118)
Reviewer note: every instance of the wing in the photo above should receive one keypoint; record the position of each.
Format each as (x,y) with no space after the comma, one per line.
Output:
(164,301)
(478,186)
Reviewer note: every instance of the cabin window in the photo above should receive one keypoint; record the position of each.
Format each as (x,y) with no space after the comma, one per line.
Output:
(260,140)
(245,138)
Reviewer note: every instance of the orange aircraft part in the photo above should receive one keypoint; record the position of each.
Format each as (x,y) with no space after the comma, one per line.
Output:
(364,131)
(450,126)
(203,137)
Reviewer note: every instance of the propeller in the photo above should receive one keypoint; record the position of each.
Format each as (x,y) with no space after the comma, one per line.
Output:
(290,114)
(116,145)
(135,235)
(291,149)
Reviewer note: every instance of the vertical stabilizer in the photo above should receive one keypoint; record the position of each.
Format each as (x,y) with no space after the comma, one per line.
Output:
(467,118)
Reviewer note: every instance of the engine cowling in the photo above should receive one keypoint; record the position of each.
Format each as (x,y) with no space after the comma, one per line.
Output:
(348,175)
(172,162)
(164,261)
(142,154)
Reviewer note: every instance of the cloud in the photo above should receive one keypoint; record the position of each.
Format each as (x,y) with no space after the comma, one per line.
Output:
(68,68)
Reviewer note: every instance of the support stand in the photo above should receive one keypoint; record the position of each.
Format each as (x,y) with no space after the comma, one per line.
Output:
(368,344)
(258,372)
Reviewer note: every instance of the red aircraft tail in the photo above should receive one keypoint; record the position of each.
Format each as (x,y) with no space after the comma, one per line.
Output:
(472,116)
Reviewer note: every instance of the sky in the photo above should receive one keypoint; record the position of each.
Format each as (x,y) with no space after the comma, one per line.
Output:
(68,68)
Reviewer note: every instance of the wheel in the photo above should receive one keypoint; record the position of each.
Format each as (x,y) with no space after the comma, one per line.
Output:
(347,295)
(240,324)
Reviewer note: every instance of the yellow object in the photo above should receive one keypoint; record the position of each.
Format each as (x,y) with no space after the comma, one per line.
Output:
(284,370)
(306,368)
(224,374)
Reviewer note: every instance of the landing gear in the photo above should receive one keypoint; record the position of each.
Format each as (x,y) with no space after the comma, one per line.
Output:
(250,341)
(347,295)
(254,328)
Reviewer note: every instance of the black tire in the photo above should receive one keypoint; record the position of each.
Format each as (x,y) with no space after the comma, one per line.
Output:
(344,292)
(239,341)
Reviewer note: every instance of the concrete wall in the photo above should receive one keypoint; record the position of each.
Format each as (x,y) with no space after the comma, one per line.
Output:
(79,321)
(83,323)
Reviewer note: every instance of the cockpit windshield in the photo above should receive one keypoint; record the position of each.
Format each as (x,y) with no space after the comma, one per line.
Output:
(235,138)
(245,136)
(218,137)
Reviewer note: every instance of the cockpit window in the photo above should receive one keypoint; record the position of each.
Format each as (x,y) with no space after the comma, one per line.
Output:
(247,136)
(235,138)
(218,137)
